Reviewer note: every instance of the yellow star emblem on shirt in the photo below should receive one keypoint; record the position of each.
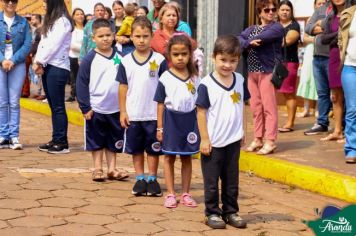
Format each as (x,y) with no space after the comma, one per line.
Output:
(191,87)
(236,97)
(116,60)
(153,65)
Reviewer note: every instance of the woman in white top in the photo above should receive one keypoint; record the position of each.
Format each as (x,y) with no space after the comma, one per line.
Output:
(52,62)
(78,18)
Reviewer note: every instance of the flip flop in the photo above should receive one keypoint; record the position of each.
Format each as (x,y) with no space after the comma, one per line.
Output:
(285,130)
(98,175)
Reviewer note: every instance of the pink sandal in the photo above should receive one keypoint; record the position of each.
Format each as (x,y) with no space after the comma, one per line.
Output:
(188,200)
(170,201)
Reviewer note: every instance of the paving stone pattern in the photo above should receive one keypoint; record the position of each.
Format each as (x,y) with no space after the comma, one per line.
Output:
(43,194)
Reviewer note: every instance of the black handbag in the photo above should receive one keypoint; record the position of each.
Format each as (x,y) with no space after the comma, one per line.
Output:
(280,72)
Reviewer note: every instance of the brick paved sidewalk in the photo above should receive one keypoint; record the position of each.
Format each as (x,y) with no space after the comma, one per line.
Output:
(43,194)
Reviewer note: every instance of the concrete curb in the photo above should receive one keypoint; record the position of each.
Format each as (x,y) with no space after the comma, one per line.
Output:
(317,180)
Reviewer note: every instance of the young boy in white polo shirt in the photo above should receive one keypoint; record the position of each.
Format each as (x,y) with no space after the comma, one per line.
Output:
(220,115)
(138,75)
(98,100)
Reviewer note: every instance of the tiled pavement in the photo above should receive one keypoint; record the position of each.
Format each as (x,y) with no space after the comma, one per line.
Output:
(43,194)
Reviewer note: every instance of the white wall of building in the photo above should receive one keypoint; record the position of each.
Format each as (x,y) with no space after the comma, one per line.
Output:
(303,8)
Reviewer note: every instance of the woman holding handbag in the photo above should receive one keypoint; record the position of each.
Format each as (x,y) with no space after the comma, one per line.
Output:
(290,45)
(263,45)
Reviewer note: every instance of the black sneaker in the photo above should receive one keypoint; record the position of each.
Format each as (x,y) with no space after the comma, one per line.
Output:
(140,188)
(215,222)
(235,220)
(316,129)
(59,148)
(44,147)
(4,143)
(153,189)
(70,99)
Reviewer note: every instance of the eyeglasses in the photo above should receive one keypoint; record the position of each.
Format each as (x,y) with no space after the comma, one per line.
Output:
(12,1)
(267,10)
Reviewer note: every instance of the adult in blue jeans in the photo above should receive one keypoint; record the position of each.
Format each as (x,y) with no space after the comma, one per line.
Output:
(347,44)
(52,62)
(320,69)
(15,45)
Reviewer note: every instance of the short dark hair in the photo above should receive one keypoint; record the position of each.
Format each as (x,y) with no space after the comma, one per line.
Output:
(144,8)
(117,2)
(129,9)
(101,23)
(290,5)
(108,10)
(228,44)
(143,22)
(260,4)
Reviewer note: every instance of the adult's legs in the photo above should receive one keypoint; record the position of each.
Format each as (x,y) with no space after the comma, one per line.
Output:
(320,70)
(348,83)
(15,81)
(256,106)
(4,105)
(55,80)
(74,67)
(291,103)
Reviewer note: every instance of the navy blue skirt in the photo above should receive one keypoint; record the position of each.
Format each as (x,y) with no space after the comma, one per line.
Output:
(181,134)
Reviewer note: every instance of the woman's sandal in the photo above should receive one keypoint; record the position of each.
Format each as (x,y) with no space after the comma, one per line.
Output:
(98,175)
(117,175)
(254,146)
(332,137)
(267,149)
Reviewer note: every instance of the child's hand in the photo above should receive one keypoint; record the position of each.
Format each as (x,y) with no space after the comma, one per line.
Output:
(89,115)
(159,136)
(243,141)
(124,120)
(205,147)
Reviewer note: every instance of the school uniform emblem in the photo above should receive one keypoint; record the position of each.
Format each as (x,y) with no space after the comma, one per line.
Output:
(191,87)
(153,68)
(156,146)
(192,138)
(236,97)
(116,60)
(119,144)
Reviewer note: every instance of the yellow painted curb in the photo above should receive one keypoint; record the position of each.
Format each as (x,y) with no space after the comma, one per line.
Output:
(74,117)
(317,180)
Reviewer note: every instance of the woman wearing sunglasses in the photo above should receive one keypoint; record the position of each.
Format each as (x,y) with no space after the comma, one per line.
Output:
(15,45)
(263,45)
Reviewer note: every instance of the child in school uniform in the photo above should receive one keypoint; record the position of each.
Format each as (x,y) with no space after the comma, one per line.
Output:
(177,123)
(138,75)
(221,119)
(98,100)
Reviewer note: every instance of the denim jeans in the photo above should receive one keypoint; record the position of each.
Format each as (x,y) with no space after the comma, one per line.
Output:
(54,81)
(320,71)
(348,77)
(10,90)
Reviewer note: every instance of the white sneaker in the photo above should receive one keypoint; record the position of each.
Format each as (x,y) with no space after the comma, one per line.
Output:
(15,144)
(4,143)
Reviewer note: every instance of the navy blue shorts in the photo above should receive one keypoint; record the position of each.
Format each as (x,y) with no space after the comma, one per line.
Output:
(180,133)
(140,136)
(104,131)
